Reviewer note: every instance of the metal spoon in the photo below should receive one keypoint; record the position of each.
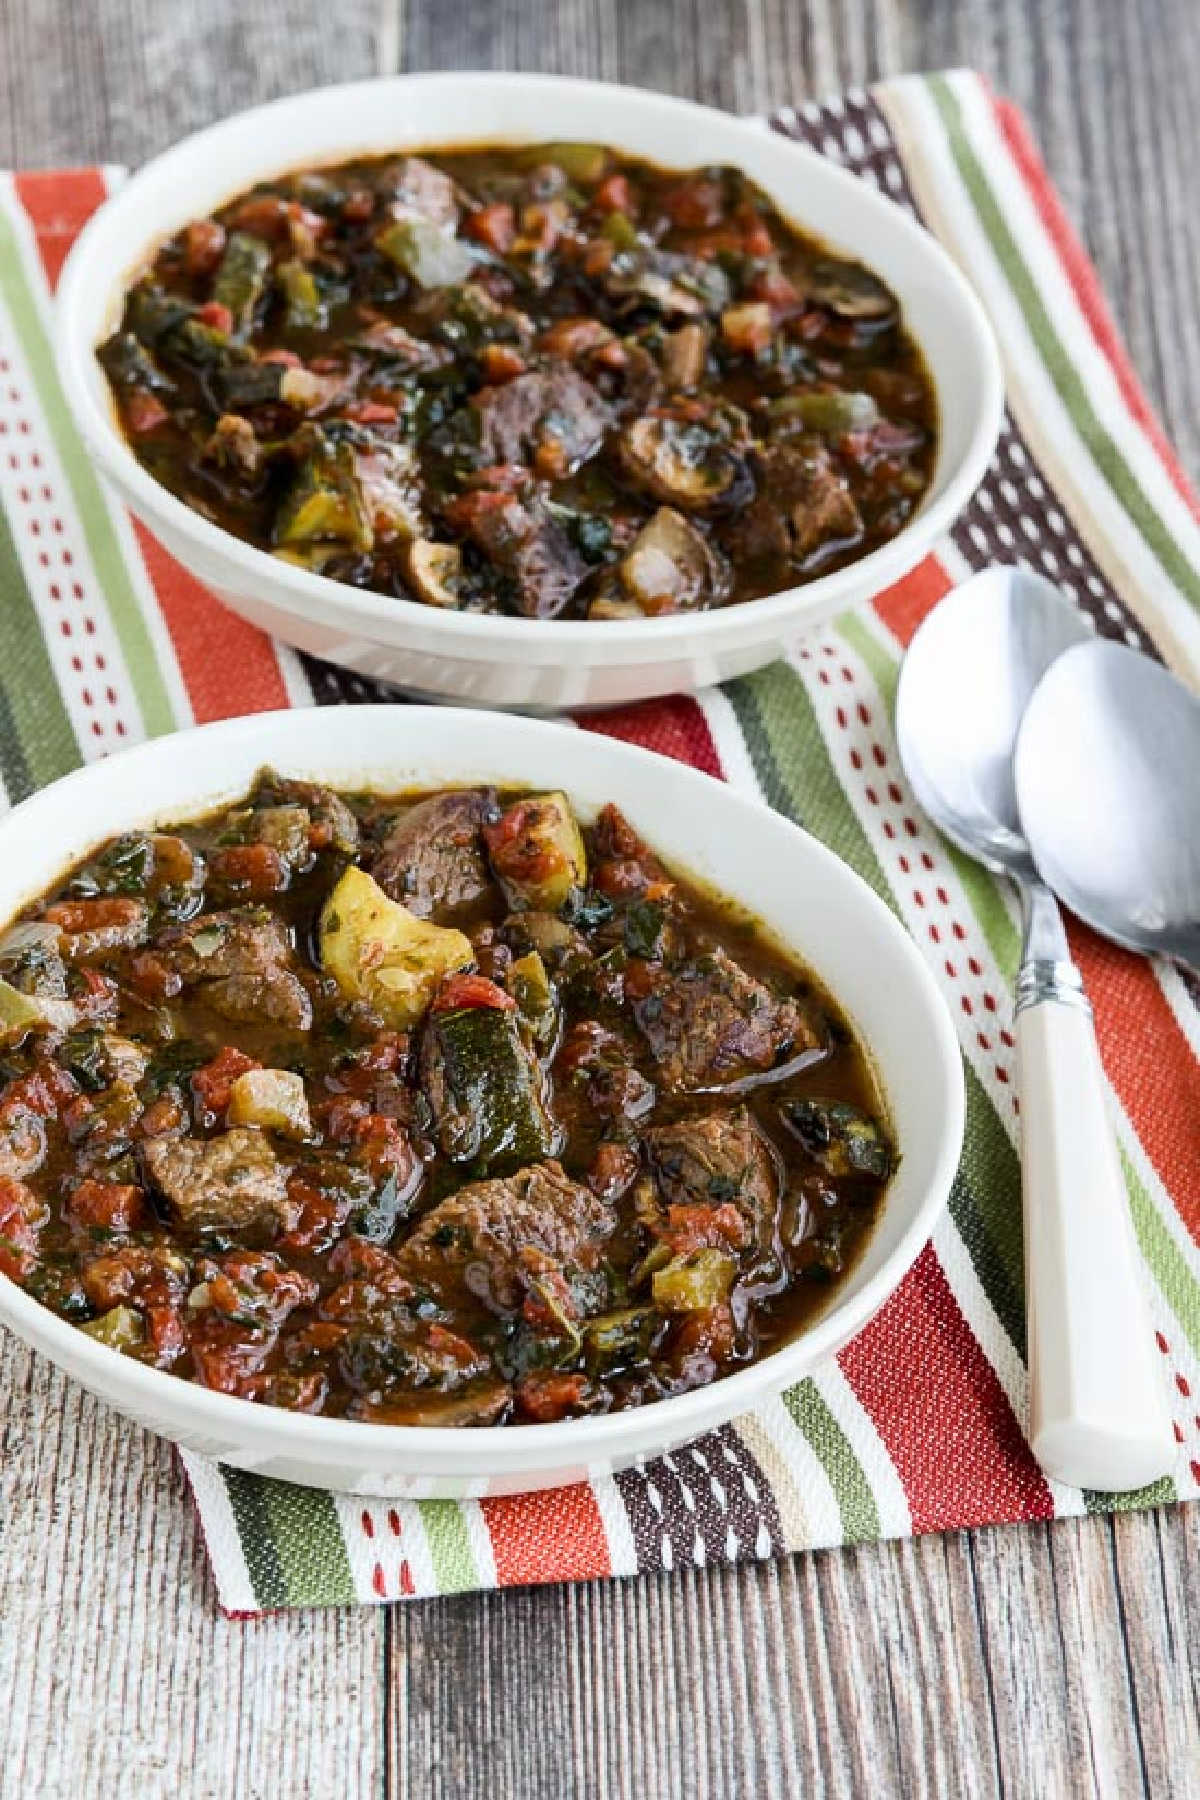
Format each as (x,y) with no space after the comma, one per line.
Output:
(1097,1416)
(1107,773)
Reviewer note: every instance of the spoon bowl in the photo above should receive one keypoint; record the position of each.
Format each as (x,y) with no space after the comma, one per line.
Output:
(964,684)
(1107,774)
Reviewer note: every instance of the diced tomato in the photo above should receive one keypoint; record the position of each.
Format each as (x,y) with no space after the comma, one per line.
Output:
(229,1364)
(774,287)
(212,1084)
(164,1328)
(614,195)
(499,477)
(611,356)
(287,359)
(695,205)
(20,1216)
(256,870)
(448,1343)
(152,978)
(756,238)
(459,992)
(538,1312)
(77,1115)
(502,363)
(144,412)
(706,1335)
(493,226)
(371,412)
(320,1336)
(517,852)
(321,1214)
(214,313)
(619,878)
(541,228)
(203,246)
(43,1091)
(298,1393)
(640,978)
(337,1114)
(384,1147)
(358,206)
(77,916)
(133,1272)
(483,508)
(691,1228)
(549,1396)
(98,997)
(108,1206)
(357,1260)
(161,1117)
(386,1053)
(597,257)
(614,1168)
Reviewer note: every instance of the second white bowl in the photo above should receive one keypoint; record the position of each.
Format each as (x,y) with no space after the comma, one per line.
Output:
(493,659)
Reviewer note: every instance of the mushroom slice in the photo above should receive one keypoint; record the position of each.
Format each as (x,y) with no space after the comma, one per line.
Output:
(434,571)
(669,567)
(851,292)
(678,286)
(685,463)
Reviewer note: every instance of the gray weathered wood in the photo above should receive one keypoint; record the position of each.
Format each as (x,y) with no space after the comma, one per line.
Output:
(1048,1661)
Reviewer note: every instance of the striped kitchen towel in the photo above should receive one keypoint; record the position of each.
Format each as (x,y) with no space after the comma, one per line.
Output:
(917,1425)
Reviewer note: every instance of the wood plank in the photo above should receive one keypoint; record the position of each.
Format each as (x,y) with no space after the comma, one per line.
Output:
(118,80)
(119,1673)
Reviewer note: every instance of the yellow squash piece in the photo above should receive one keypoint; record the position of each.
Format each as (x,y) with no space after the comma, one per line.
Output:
(379,952)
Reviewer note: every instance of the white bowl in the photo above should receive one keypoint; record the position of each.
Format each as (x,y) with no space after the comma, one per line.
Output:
(805,896)
(489,659)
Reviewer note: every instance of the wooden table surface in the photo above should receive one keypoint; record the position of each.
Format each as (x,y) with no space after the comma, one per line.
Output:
(1043,1661)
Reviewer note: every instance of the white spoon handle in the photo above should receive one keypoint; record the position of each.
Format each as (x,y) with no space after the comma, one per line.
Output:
(1097,1413)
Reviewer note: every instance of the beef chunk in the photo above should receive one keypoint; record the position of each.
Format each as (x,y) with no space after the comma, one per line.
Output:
(598,1067)
(331,822)
(711,1023)
(552,415)
(803,505)
(492,1239)
(486,1091)
(527,545)
(433,859)
(422,191)
(226,1183)
(240,960)
(714,1161)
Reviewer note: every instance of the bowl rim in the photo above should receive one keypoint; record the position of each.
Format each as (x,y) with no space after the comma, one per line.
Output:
(383,617)
(498,1451)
